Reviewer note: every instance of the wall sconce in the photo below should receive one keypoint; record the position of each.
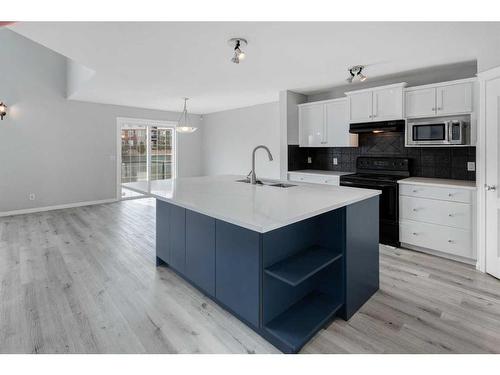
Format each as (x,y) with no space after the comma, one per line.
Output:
(3,110)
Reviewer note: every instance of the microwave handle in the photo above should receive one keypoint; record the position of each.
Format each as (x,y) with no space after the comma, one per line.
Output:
(449,131)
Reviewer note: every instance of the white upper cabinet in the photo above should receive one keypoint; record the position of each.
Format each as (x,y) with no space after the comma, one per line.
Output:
(312,125)
(337,125)
(443,99)
(325,124)
(376,104)
(454,99)
(420,103)
(360,106)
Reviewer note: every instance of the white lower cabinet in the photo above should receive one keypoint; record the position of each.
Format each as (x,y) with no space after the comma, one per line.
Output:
(315,178)
(438,218)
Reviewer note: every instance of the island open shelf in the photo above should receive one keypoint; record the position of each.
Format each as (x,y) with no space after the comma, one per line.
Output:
(299,323)
(299,267)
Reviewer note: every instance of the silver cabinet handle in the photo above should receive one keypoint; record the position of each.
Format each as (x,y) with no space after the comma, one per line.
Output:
(433,109)
(490,187)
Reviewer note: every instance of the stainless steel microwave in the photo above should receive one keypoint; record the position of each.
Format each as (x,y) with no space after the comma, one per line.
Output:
(442,131)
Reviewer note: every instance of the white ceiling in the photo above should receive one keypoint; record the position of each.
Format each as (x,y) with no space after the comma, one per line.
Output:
(154,65)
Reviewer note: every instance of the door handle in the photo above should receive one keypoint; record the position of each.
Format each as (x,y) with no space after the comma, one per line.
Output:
(490,187)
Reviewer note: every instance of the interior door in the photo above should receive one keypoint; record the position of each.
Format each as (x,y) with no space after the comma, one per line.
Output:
(312,125)
(492,197)
(454,99)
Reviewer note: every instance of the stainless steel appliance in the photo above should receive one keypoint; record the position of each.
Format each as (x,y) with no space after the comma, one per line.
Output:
(382,174)
(441,131)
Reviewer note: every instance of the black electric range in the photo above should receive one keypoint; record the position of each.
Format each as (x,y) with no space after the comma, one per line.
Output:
(382,173)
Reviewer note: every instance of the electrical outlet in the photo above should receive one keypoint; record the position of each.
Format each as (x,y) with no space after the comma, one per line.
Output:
(335,161)
(309,160)
(31,196)
(471,166)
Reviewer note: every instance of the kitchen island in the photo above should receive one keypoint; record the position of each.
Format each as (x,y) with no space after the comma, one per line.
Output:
(284,260)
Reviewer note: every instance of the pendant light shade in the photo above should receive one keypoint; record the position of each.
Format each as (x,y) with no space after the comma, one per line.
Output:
(183,123)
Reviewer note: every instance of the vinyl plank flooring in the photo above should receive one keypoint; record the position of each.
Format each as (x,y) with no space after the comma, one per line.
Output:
(83,280)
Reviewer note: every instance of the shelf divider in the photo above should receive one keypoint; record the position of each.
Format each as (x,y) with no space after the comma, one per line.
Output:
(301,266)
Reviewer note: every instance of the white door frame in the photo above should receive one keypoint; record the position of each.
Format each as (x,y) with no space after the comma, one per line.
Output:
(129,121)
(483,78)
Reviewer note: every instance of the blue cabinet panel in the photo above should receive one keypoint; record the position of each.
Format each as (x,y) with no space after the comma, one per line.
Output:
(200,251)
(362,254)
(237,270)
(178,238)
(163,231)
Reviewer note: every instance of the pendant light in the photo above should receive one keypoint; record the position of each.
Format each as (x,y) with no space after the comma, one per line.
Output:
(183,123)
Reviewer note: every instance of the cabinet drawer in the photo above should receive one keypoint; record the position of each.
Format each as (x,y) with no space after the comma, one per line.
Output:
(315,179)
(433,192)
(453,214)
(453,241)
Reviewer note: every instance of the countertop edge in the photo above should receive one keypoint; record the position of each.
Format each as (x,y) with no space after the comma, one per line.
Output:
(445,183)
(265,229)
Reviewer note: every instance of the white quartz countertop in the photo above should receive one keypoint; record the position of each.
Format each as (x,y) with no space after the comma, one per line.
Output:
(439,182)
(259,208)
(320,172)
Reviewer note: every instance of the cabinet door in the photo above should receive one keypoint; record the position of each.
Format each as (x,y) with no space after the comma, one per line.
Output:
(238,270)
(178,238)
(360,107)
(337,125)
(388,104)
(312,125)
(420,103)
(454,99)
(200,251)
(163,230)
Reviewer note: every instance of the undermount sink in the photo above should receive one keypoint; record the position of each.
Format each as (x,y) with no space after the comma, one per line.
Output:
(275,184)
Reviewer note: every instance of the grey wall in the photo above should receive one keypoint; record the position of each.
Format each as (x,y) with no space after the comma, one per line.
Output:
(230,136)
(61,150)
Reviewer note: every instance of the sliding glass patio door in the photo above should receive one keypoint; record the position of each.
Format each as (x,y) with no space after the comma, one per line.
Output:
(146,156)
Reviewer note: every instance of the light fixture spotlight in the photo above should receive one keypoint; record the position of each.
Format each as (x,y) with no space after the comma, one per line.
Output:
(237,44)
(355,72)
(183,123)
(3,110)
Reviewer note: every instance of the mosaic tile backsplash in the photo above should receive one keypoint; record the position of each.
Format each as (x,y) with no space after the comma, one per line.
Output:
(437,162)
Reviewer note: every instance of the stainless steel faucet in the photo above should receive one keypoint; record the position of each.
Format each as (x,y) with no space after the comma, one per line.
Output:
(253,177)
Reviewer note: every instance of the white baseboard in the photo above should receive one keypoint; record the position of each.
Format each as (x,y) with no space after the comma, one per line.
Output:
(57,207)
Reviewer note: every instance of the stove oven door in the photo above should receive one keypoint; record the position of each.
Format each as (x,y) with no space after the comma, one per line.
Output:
(389,208)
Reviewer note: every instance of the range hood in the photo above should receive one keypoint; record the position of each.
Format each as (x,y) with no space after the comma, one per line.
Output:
(377,127)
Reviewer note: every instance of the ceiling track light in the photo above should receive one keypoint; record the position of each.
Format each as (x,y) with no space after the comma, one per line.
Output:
(356,72)
(183,123)
(3,110)
(238,53)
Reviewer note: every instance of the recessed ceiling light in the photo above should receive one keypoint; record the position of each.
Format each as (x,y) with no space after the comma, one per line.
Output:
(238,53)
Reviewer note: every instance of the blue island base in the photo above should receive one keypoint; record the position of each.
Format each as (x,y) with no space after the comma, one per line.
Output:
(285,284)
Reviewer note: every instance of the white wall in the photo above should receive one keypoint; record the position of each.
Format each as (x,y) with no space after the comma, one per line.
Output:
(59,149)
(230,136)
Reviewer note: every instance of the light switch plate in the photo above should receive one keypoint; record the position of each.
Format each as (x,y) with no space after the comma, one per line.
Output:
(309,160)
(335,161)
(471,166)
